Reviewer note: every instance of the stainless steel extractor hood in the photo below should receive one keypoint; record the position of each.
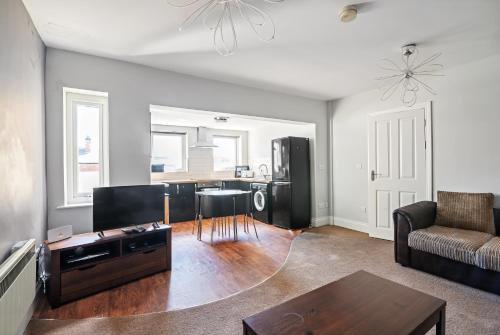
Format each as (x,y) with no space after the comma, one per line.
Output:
(202,139)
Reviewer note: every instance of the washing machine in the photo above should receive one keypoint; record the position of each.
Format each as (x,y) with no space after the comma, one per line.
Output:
(261,201)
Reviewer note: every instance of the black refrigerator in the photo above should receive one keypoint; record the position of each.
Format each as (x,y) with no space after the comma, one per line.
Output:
(291,183)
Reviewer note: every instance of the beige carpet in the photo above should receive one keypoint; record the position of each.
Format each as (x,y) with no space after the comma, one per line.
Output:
(314,260)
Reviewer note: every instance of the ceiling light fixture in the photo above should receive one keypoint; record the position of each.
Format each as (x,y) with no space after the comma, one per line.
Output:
(348,13)
(218,16)
(410,75)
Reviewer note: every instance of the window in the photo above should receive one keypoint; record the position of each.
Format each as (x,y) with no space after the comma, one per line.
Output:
(227,152)
(168,153)
(86,143)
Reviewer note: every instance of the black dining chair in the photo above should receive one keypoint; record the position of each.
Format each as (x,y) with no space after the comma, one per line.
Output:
(245,207)
(222,210)
(213,208)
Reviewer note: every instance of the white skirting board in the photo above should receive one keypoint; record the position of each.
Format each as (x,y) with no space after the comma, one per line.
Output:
(351,224)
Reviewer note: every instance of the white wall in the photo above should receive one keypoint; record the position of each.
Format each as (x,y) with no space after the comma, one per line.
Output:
(466,135)
(22,142)
(132,89)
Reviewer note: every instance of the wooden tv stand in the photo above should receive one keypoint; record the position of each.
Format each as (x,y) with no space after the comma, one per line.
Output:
(85,264)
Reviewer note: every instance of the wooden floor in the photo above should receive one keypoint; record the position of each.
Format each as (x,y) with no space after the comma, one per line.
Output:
(200,273)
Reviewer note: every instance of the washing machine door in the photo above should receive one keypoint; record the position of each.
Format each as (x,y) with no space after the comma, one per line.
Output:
(259,201)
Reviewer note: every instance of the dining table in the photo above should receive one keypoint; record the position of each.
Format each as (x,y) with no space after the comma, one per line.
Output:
(220,196)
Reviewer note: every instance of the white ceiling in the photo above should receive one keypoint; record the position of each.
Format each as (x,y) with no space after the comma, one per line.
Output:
(195,118)
(314,55)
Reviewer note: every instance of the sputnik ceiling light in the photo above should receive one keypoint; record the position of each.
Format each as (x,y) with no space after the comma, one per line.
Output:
(410,75)
(218,16)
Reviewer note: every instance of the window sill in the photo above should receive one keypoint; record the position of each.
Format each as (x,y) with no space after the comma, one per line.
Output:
(75,206)
(171,172)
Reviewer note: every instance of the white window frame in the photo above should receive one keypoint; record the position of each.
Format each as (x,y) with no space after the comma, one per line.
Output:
(93,98)
(238,151)
(184,148)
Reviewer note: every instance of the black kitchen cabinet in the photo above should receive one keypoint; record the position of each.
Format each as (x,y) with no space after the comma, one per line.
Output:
(245,186)
(181,202)
(231,184)
(236,185)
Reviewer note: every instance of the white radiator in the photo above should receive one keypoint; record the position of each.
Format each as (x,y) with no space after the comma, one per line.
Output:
(17,289)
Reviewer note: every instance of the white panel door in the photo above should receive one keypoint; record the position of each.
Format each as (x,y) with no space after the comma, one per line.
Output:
(399,171)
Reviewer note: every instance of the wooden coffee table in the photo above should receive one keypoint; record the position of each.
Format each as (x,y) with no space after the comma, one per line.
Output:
(360,303)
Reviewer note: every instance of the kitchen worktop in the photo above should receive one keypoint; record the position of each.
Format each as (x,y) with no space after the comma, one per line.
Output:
(190,181)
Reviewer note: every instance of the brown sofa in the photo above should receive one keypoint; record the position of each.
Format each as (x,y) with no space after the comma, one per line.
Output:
(457,238)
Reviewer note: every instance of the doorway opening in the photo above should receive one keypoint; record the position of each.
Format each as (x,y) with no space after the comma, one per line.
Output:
(236,140)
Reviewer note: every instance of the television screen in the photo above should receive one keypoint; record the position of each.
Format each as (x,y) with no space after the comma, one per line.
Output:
(123,206)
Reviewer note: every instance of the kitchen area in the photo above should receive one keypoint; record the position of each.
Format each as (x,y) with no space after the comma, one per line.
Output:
(271,160)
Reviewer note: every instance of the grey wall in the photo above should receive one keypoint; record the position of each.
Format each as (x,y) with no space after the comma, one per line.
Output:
(22,146)
(466,135)
(132,88)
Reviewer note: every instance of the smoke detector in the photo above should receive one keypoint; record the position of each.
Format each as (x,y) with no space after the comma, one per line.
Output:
(221,118)
(348,13)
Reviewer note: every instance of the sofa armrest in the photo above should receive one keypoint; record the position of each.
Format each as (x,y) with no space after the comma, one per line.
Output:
(407,219)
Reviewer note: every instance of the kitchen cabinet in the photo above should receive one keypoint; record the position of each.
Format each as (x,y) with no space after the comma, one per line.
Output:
(245,186)
(236,185)
(231,184)
(167,213)
(181,202)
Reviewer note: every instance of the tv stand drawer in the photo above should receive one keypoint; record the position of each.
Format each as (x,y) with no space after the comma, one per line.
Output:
(96,277)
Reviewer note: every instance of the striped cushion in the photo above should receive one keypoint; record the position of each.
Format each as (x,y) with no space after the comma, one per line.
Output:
(457,244)
(471,211)
(488,256)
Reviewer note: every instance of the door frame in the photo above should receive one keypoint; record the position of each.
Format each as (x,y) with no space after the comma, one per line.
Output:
(427,106)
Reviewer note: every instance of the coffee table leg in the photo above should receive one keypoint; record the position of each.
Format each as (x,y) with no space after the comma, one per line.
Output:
(441,325)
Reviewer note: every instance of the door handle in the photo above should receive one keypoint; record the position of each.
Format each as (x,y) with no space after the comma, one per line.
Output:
(374,175)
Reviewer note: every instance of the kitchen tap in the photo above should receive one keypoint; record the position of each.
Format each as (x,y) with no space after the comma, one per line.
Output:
(263,167)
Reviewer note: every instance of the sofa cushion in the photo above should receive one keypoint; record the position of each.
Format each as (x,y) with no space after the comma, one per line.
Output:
(457,244)
(471,211)
(488,256)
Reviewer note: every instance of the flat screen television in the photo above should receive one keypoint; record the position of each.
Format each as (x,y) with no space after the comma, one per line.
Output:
(124,206)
